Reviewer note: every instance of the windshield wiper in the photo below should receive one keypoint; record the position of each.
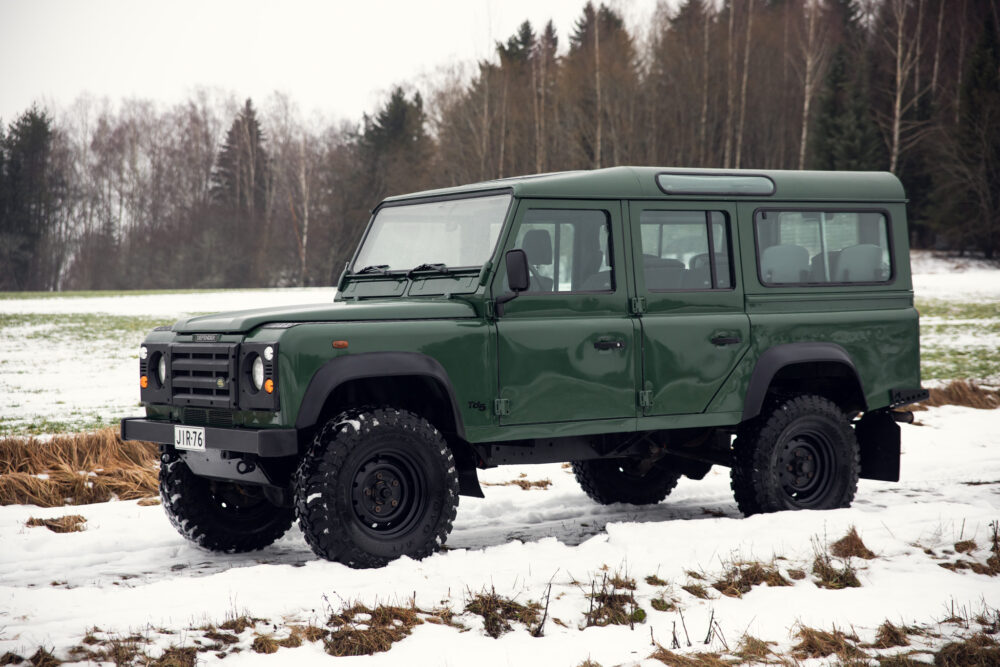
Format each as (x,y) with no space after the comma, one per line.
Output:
(437,266)
(374,268)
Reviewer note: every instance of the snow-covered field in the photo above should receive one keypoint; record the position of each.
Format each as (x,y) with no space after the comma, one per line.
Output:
(130,573)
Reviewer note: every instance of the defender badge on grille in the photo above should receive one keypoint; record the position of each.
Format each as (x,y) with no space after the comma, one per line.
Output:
(220,383)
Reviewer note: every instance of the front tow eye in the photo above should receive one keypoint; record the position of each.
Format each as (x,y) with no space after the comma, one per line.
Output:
(245,467)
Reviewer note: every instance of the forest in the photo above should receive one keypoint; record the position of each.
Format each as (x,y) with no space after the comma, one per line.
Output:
(215,191)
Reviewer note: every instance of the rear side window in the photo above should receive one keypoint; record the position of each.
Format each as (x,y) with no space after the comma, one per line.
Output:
(822,247)
(685,250)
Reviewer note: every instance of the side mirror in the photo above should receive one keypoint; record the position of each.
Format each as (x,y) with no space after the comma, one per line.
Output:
(517,270)
(518,277)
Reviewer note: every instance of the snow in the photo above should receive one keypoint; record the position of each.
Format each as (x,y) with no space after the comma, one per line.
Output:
(130,571)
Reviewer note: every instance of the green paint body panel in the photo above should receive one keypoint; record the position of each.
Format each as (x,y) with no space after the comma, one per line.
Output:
(544,355)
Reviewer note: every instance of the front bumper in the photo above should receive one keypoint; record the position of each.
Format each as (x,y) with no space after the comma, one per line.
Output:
(266,443)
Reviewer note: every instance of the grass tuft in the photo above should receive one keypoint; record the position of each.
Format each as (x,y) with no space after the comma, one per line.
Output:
(662,604)
(691,660)
(965,546)
(654,580)
(176,656)
(613,604)
(360,630)
(815,643)
(76,469)
(498,612)
(71,523)
(961,392)
(752,649)
(979,650)
(740,577)
(43,658)
(697,590)
(850,545)
(264,644)
(10,658)
(889,635)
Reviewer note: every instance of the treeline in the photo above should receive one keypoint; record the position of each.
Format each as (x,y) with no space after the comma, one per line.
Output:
(214,193)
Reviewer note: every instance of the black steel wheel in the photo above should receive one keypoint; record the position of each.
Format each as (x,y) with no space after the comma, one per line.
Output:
(374,486)
(220,516)
(802,454)
(609,481)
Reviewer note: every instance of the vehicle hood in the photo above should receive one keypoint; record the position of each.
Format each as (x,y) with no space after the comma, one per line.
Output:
(243,321)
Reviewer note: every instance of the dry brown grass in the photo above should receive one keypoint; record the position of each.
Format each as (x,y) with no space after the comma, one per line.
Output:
(663,604)
(850,545)
(10,658)
(499,612)
(752,649)
(815,643)
(264,644)
(890,635)
(960,392)
(740,577)
(525,484)
(612,602)
(979,650)
(654,580)
(360,630)
(76,469)
(43,658)
(697,590)
(71,523)
(965,546)
(691,660)
(177,656)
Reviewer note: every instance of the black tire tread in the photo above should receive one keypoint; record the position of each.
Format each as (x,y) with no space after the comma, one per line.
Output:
(600,480)
(327,454)
(751,453)
(187,500)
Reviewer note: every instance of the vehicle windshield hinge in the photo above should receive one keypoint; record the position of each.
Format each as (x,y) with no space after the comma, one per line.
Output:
(646,398)
(501,407)
(638,305)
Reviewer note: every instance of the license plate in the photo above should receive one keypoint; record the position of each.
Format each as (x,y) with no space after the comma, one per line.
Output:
(189,437)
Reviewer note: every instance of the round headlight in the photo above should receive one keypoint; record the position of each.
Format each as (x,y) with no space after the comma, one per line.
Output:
(268,353)
(143,352)
(161,370)
(257,373)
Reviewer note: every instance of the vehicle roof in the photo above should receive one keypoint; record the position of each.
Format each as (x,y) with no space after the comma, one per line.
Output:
(640,183)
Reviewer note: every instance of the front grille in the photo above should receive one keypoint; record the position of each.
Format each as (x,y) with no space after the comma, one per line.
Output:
(203,417)
(203,374)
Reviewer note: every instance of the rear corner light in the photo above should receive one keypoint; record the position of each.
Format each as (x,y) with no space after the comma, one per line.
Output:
(144,382)
(269,386)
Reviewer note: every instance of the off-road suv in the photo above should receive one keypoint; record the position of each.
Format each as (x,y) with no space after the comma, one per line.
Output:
(629,320)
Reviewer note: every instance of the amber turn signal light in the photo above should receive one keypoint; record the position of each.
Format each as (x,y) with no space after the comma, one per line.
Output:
(269,386)
(143,381)
(340,344)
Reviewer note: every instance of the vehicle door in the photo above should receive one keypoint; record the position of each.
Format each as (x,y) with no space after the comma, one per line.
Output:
(567,346)
(694,330)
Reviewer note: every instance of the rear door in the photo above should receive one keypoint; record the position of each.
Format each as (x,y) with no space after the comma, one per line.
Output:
(694,329)
(567,347)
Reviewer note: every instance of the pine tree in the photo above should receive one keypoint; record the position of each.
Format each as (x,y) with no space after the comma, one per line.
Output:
(395,147)
(236,244)
(26,200)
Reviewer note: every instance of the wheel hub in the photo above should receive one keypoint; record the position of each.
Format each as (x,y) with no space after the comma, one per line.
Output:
(385,494)
(801,467)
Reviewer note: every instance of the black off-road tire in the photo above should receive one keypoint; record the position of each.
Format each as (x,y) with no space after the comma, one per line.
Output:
(376,484)
(220,516)
(800,454)
(610,481)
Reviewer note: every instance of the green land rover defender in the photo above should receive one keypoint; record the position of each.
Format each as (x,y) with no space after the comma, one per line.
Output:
(631,321)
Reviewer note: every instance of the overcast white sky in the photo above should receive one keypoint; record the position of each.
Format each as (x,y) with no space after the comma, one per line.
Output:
(335,58)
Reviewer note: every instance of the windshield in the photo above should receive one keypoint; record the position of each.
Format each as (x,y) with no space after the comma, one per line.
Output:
(455,232)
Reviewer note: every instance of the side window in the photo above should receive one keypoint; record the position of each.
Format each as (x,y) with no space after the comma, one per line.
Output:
(568,250)
(822,247)
(685,250)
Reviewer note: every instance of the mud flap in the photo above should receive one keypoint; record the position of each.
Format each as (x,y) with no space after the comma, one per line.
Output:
(879,440)
(468,483)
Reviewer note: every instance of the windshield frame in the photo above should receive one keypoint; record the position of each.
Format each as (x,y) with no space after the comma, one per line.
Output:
(352,267)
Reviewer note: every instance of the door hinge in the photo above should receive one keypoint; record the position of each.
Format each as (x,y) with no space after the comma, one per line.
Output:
(491,310)
(646,398)
(638,304)
(501,407)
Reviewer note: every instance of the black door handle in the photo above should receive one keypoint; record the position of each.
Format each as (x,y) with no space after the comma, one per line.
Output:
(609,345)
(726,340)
